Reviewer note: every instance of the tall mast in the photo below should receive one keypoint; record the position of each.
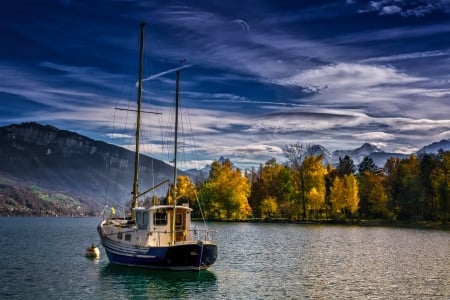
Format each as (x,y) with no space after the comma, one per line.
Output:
(174,193)
(138,126)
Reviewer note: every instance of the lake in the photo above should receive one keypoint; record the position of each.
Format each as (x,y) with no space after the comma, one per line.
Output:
(43,258)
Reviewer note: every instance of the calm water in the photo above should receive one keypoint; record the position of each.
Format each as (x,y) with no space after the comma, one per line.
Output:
(43,258)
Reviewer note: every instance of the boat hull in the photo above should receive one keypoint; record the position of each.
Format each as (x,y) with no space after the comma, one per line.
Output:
(189,256)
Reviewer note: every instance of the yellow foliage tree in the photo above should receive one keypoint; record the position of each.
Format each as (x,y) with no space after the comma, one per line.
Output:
(268,207)
(314,183)
(344,195)
(186,191)
(227,191)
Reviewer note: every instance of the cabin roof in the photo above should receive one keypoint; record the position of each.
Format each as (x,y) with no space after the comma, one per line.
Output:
(162,207)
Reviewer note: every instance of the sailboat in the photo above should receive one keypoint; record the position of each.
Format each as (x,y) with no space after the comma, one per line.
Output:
(159,236)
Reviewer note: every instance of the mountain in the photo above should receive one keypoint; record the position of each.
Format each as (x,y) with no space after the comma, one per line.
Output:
(435,147)
(320,150)
(380,158)
(201,175)
(66,161)
(357,155)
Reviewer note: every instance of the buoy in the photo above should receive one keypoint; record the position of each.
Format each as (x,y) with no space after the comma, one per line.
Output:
(93,252)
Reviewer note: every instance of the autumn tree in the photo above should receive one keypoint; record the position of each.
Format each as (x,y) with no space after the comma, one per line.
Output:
(226,191)
(344,196)
(186,191)
(315,172)
(268,207)
(308,172)
(373,199)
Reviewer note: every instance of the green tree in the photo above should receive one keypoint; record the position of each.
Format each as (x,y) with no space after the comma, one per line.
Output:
(329,179)
(368,164)
(431,176)
(441,184)
(273,180)
(405,188)
(372,194)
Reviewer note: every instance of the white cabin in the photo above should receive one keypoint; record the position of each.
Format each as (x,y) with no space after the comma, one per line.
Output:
(152,227)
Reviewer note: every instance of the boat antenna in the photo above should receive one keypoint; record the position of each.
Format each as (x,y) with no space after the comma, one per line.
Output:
(138,126)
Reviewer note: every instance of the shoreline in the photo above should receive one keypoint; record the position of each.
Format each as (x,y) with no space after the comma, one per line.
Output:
(432,225)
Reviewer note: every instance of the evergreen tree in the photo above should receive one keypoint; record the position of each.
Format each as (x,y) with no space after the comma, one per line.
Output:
(368,165)
(345,166)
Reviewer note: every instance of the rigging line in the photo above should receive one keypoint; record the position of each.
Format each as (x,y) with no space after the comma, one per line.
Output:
(194,145)
(201,210)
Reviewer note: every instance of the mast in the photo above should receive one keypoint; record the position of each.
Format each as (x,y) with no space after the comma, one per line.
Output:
(174,193)
(138,126)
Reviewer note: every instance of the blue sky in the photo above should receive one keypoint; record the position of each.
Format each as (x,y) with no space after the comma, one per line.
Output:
(264,74)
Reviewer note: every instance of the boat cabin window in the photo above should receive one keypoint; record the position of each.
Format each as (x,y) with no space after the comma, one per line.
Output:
(160,218)
(179,219)
(142,219)
(119,235)
(127,237)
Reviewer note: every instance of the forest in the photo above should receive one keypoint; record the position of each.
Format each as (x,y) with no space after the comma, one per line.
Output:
(413,189)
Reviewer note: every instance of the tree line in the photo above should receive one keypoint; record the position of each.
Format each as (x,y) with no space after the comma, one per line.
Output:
(416,188)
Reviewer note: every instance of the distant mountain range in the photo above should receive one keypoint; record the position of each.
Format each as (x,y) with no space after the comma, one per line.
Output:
(61,160)
(378,156)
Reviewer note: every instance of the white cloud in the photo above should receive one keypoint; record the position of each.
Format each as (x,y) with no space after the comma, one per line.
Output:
(349,75)
(390,10)
(375,136)
(118,136)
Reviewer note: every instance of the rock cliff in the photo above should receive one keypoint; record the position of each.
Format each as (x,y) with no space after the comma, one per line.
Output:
(64,160)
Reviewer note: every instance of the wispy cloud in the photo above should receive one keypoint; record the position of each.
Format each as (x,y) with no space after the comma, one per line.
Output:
(405,56)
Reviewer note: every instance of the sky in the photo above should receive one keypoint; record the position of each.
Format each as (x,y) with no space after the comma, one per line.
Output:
(259,75)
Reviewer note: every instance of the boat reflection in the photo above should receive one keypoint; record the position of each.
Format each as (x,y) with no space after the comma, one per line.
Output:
(150,283)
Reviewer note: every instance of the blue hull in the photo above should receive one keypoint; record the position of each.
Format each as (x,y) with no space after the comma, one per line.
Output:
(192,256)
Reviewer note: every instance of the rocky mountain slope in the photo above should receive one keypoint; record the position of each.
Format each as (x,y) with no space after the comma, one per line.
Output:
(63,160)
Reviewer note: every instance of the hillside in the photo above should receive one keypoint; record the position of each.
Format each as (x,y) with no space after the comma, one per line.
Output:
(24,199)
(83,168)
